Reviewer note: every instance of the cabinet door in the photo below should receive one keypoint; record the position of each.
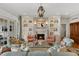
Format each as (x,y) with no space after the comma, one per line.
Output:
(71,30)
(78,29)
(78,32)
(74,32)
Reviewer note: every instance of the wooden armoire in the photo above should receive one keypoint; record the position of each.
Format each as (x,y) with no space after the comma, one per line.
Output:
(74,32)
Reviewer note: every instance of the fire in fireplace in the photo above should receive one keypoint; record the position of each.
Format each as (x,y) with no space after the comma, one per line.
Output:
(40,36)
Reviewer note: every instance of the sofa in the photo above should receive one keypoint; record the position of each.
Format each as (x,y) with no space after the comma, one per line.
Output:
(39,53)
(56,52)
(14,53)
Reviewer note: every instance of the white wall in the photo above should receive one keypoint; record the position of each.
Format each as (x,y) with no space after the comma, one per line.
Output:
(7,15)
(74,20)
(67,22)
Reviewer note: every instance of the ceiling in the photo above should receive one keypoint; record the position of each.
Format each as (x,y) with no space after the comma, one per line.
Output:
(30,9)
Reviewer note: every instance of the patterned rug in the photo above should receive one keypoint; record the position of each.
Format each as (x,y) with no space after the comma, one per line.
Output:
(40,45)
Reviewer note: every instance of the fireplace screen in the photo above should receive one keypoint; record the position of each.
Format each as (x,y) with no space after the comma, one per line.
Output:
(40,36)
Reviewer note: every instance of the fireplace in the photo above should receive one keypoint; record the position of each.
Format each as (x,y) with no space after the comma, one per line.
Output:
(40,36)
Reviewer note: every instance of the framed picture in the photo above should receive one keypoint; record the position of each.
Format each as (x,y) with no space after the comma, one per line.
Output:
(30,29)
(25,25)
(56,21)
(30,21)
(51,21)
(55,29)
(51,33)
(51,25)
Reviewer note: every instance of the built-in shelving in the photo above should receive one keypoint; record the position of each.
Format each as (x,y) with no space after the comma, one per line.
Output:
(6,30)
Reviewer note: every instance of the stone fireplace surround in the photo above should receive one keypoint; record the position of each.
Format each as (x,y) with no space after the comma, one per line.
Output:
(41,32)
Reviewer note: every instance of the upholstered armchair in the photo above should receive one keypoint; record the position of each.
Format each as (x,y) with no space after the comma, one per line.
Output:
(14,40)
(68,42)
(54,52)
(30,38)
(50,40)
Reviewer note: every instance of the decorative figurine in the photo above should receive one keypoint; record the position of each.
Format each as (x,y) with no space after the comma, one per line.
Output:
(41,11)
